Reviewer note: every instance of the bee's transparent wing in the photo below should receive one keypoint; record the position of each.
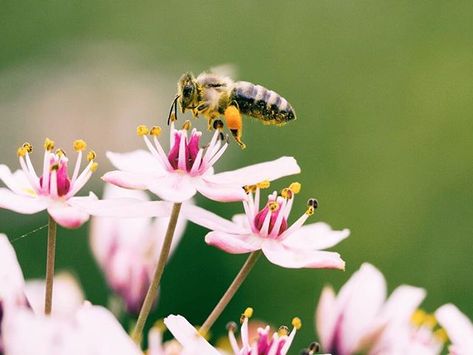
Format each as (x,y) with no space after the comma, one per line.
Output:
(226,70)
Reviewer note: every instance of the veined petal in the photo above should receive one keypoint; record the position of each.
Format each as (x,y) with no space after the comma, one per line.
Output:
(21,203)
(174,187)
(221,192)
(17,181)
(121,207)
(67,216)
(315,236)
(192,342)
(211,221)
(138,161)
(283,256)
(12,282)
(129,180)
(234,243)
(325,316)
(253,174)
(459,328)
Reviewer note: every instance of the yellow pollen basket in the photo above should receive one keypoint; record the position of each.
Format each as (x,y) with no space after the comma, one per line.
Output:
(79,145)
(296,323)
(91,155)
(155,131)
(48,144)
(142,130)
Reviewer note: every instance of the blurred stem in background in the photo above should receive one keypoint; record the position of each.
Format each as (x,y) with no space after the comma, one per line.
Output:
(50,258)
(137,333)
(235,285)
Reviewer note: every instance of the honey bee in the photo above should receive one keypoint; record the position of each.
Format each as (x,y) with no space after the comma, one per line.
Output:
(214,95)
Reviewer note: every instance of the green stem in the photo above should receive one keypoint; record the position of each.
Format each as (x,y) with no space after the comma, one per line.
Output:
(136,335)
(235,285)
(51,255)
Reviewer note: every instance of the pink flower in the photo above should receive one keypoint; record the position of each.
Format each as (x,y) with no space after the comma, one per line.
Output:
(360,319)
(294,246)
(459,329)
(53,190)
(187,167)
(127,250)
(267,343)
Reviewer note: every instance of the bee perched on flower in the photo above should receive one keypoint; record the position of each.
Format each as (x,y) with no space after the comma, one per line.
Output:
(53,189)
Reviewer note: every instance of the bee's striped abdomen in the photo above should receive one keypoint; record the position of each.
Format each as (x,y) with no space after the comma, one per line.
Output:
(259,102)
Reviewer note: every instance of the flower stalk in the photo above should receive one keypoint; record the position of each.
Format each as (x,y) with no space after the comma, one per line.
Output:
(50,258)
(235,285)
(158,273)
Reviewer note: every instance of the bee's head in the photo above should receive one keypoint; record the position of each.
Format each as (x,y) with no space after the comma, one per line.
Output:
(187,91)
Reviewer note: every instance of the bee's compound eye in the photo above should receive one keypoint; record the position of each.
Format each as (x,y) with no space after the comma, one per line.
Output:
(187,90)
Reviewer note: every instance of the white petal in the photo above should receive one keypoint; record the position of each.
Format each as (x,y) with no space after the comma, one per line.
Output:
(192,342)
(21,203)
(459,328)
(221,192)
(11,278)
(325,316)
(234,243)
(315,236)
(211,221)
(67,216)
(17,181)
(253,174)
(130,180)
(138,161)
(174,187)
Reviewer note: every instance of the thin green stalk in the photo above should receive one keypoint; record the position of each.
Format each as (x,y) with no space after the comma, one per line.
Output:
(228,295)
(50,258)
(153,287)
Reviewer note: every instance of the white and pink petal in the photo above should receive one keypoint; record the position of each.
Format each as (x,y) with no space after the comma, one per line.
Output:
(66,215)
(234,243)
(21,203)
(315,236)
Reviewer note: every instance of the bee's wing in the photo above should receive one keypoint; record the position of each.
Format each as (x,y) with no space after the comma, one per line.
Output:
(226,70)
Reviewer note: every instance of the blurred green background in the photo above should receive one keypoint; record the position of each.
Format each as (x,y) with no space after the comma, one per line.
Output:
(383,93)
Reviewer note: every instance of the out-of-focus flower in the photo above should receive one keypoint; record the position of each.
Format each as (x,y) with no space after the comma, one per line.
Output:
(187,168)
(156,346)
(277,343)
(53,190)
(127,249)
(73,331)
(458,327)
(360,319)
(294,246)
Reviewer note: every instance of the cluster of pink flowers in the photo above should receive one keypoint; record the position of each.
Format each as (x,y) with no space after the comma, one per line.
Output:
(129,236)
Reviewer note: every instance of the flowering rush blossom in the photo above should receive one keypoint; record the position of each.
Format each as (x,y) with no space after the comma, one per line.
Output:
(127,249)
(360,319)
(187,167)
(294,246)
(458,327)
(193,343)
(53,190)
(74,328)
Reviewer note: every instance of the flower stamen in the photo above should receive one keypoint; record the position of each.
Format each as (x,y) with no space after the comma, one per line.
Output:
(48,145)
(142,130)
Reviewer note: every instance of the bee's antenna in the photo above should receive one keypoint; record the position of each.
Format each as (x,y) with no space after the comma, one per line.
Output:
(173,106)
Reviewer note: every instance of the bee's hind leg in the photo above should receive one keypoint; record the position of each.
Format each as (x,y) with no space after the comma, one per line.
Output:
(235,124)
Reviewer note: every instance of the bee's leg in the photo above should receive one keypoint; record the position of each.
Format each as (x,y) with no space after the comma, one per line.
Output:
(235,124)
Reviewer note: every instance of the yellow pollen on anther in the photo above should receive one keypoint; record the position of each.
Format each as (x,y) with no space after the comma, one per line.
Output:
(295,187)
(159,325)
(142,130)
(249,188)
(48,144)
(248,313)
(430,321)
(155,131)
(28,147)
(418,317)
(91,155)
(310,211)
(79,145)
(263,184)
(60,153)
(172,117)
(283,330)
(297,323)
(286,193)
(21,152)
(273,206)
(441,335)
(187,125)
(93,167)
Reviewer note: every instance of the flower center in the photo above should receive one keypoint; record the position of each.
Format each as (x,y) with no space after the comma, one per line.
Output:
(274,209)
(58,164)
(188,151)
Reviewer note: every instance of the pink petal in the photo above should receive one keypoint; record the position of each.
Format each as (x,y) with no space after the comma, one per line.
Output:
(67,216)
(20,203)
(325,316)
(11,278)
(211,221)
(315,236)
(283,256)
(17,181)
(121,207)
(129,180)
(174,187)
(221,192)
(192,342)
(234,243)
(253,174)
(459,328)
(138,161)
